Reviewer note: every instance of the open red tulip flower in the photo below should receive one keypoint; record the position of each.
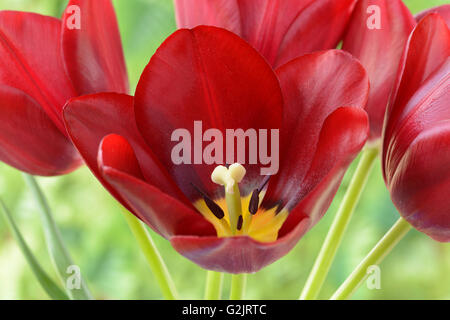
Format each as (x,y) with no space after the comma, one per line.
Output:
(376,35)
(416,147)
(215,204)
(280,30)
(44,62)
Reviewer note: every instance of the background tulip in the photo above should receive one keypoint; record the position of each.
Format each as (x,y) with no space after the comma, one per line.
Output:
(416,145)
(43,64)
(280,30)
(379,48)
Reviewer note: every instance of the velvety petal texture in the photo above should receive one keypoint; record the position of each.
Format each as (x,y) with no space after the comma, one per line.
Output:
(30,61)
(24,123)
(34,88)
(92,48)
(416,136)
(279,29)
(90,118)
(211,75)
(43,64)
(377,34)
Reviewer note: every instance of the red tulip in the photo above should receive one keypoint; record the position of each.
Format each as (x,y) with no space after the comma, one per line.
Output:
(416,138)
(376,35)
(280,30)
(210,74)
(43,63)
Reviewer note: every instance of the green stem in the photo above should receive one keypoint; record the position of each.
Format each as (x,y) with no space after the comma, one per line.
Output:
(50,287)
(335,234)
(153,256)
(58,252)
(376,255)
(213,289)
(238,283)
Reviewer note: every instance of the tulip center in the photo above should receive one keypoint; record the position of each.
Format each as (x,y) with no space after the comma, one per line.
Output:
(234,215)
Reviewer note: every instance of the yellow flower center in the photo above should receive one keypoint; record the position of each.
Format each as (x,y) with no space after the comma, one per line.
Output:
(238,219)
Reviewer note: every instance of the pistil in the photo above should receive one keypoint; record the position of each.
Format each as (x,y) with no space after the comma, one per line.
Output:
(229,178)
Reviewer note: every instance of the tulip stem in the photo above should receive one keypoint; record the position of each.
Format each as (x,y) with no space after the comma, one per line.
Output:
(341,220)
(375,256)
(153,256)
(238,284)
(59,254)
(213,289)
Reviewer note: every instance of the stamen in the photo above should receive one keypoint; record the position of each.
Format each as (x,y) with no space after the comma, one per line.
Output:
(240,222)
(214,207)
(254,200)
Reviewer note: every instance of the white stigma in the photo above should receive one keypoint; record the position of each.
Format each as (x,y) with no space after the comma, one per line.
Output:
(228,177)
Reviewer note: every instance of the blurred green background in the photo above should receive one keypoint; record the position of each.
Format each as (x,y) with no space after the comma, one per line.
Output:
(103,246)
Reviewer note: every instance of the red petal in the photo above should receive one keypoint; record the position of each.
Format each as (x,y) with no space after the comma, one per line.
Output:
(265,24)
(93,53)
(279,29)
(165,214)
(211,75)
(319,26)
(219,13)
(116,152)
(236,254)
(338,145)
(90,118)
(379,51)
(443,11)
(30,60)
(29,140)
(420,187)
(427,50)
(314,86)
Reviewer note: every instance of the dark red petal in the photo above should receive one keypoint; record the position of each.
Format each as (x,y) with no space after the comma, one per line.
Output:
(421,186)
(379,51)
(443,11)
(279,29)
(165,214)
(93,53)
(211,75)
(318,26)
(30,60)
(236,254)
(427,108)
(343,135)
(427,50)
(314,86)
(29,140)
(90,118)
(265,24)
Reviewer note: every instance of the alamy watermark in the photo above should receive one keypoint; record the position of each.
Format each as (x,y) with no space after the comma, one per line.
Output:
(189,150)
(73,281)
(374,279)
(73,20)
(374,20)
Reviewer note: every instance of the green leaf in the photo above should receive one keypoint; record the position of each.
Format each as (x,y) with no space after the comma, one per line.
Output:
(46,282)
(59,254)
